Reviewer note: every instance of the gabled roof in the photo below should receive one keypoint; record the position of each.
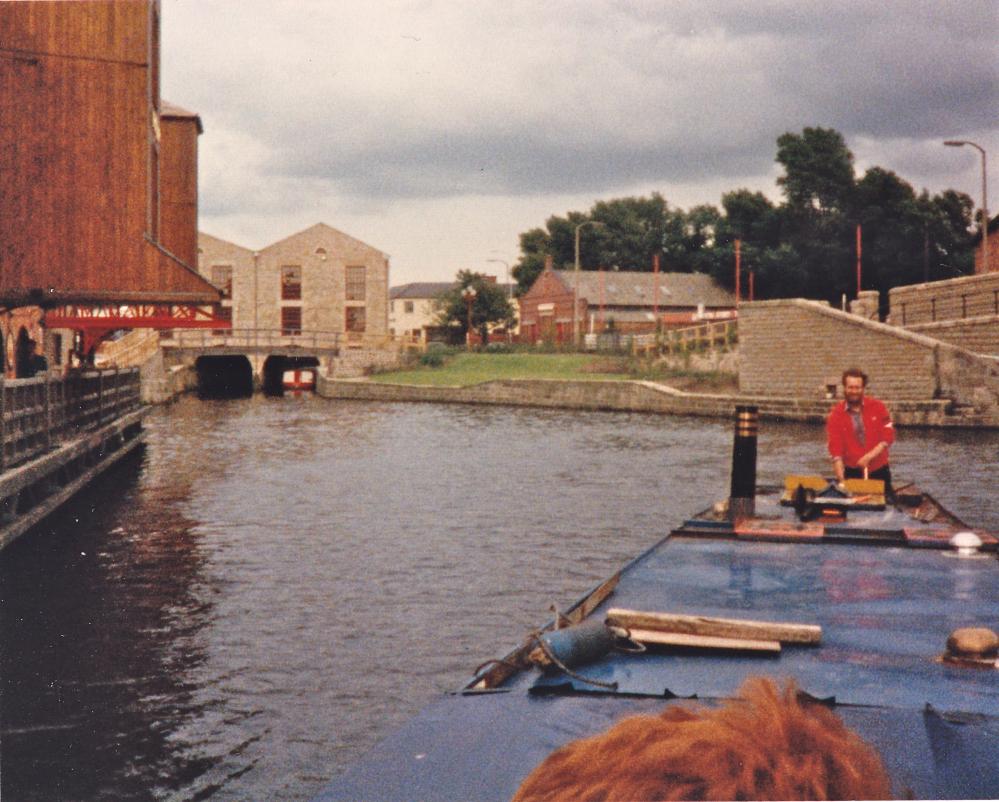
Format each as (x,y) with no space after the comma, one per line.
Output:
(322,228)
(205,238)
(421,289)
(633,288)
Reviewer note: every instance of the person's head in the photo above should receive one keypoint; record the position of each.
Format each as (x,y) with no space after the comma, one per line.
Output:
(854,384)
(767,744)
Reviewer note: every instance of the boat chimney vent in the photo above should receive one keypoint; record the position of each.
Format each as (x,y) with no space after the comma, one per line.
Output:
(966,544)
(742,498)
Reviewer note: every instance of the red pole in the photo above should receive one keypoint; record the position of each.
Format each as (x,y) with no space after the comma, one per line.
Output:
(655,289)
(600,317)
(738,259)
(858,259)
(752,276)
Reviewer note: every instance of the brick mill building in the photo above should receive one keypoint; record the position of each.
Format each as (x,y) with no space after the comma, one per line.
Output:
(626,301)
(98,180)
(318,280)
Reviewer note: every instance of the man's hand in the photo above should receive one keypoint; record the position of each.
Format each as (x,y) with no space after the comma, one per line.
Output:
(866,460)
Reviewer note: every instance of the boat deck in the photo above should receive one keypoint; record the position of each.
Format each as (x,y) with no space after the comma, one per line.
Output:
(883,585)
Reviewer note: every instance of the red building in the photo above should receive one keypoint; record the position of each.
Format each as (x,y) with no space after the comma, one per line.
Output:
(98,177)
(628,302)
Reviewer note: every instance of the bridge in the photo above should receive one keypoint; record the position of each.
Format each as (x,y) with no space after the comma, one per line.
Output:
(257,357)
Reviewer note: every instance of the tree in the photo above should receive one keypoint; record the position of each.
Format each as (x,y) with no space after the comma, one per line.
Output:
(490,307)
(818,170)
(804,247)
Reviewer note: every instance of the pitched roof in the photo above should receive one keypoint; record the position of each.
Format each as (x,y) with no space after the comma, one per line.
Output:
(322,228)
(633,288)
(204,238)
(421,289)
(168,110)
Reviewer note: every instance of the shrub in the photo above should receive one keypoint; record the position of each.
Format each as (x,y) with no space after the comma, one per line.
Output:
(432,359)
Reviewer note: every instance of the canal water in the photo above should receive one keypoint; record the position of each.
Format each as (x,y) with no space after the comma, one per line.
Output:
(274,584)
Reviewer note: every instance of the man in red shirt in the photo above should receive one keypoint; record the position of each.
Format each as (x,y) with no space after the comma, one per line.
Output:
(859,431)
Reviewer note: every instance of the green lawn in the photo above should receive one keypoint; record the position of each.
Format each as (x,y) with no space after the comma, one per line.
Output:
(464,369)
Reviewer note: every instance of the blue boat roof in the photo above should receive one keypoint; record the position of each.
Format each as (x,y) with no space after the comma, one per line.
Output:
(886,607)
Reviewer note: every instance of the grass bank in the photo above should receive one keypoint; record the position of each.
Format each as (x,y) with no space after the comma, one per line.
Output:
(462,369)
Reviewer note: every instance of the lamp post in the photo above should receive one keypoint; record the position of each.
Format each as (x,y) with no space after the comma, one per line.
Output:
(575,289)
(956,143)
(469,295)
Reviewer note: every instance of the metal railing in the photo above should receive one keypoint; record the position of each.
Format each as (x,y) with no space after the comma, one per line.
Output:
(38,414)
(263,339)
(950,306)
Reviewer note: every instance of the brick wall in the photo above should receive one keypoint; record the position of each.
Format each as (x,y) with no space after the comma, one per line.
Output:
(954,299)
(553,321)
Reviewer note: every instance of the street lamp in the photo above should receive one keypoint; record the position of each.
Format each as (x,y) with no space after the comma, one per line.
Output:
(469,295)
(575,289)
(956,143)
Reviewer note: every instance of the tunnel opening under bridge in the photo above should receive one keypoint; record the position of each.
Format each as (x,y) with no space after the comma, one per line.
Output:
(277,373)
(224,376)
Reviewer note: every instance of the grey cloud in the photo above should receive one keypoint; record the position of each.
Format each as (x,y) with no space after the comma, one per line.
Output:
(622,93)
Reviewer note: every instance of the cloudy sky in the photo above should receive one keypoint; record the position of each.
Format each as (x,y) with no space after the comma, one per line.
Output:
(437,131)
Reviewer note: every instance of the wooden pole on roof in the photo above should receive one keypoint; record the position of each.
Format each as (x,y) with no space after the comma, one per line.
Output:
(655,289)
(738,258)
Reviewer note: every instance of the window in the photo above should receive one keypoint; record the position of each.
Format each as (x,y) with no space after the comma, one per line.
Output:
(355,283)
(355,318)
(408,307)
(222,313)
(57,348)
(291,320)
(222,278)
(291,283)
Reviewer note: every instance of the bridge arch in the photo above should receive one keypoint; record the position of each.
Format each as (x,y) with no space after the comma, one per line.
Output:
(275,365)
(224,376)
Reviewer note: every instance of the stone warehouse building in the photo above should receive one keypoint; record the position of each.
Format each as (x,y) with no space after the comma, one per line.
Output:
(629,301)
(318,280)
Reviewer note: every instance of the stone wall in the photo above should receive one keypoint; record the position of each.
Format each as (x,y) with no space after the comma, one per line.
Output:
(979,335)
(798,348)
(936,301)
(353,363)
(625,396)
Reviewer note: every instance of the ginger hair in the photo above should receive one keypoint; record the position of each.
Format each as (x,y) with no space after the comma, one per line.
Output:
(766,744)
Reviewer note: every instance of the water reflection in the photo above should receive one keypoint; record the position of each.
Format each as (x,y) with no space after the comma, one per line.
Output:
(99,627)
(286,579)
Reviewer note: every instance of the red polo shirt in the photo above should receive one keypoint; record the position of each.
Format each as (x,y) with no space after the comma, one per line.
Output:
(842,436)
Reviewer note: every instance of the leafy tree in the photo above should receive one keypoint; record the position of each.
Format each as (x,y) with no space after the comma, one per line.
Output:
(803,247)
(490,307)
(626,233)
(947,234)
(818,170)
(534,245)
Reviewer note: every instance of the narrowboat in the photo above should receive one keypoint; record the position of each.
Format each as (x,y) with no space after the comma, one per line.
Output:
(299,379)
(860,597)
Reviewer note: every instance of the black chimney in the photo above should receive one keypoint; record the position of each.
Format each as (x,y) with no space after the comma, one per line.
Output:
(742,499)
